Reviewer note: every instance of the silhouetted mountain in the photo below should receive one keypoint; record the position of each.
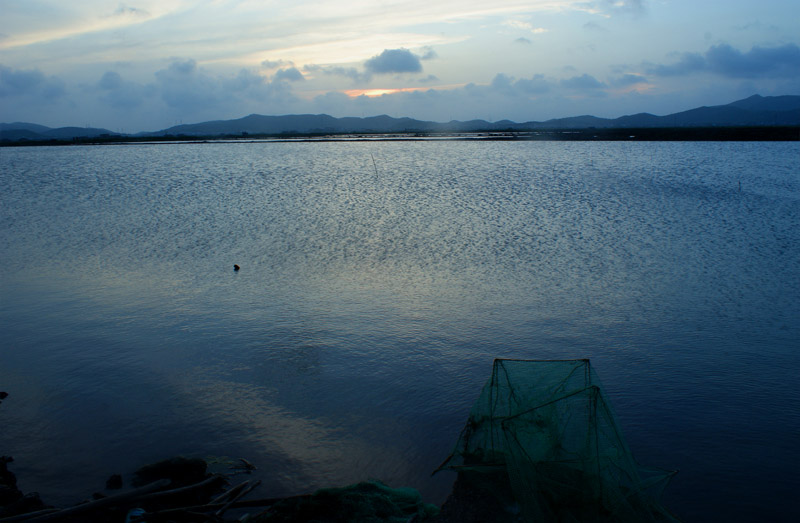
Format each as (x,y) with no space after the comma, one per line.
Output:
(753,111)
(770,103)
(17,131)
(15,135)
(36,128)
(68,133)
(638,120)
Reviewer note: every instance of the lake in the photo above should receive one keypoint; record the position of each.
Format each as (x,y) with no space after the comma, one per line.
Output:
(378,281)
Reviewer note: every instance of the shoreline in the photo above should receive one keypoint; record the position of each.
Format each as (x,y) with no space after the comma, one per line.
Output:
(648,134)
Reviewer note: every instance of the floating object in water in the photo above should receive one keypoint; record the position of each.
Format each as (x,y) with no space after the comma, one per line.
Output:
(244,466)
(236,267)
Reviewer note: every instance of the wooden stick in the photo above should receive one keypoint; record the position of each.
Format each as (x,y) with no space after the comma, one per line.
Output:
(237,496)
(181,490)
(105,502)
(250,503)
(228,493)
(28,515)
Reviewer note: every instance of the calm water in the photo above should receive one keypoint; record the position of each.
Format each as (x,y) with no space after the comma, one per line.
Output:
(373,298)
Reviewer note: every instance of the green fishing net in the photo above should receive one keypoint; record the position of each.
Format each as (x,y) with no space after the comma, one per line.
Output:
(542,438)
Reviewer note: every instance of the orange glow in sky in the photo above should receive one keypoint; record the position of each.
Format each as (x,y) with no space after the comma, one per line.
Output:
(353,93)
(372,93)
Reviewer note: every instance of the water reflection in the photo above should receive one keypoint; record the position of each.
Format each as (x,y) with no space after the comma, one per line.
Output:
(369,306)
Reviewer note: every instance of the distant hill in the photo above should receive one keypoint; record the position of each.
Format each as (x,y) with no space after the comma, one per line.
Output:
(770,103)
(18,131)
(23,126)
(753,111)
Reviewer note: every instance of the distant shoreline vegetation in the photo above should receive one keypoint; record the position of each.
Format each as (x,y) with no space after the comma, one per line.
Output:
(749,133)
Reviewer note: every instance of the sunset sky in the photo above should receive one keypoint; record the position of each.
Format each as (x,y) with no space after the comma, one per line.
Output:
(144,65)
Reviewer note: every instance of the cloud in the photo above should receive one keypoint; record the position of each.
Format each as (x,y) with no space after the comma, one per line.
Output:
(524,41)
(537,84)
(394,61)
(335,70)
(583,82)
(390,61)
(181,88)
(502,82)
(525,26)
(429,79)
(627,79)
(186,88)
(15,82)
(428,53)
(121,94)
(245,80)
(687,64)
(275,64)
(124,10)
(18,82)
(724,60)
(591,26)
(290,74)
(186,67)
(506,97)
(612,7)
(783,61)
(111,80)
(524,87)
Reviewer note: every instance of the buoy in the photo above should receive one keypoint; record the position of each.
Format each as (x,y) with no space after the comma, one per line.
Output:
(235,267)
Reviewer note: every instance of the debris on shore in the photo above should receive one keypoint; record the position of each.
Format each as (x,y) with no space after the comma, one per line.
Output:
(181,490)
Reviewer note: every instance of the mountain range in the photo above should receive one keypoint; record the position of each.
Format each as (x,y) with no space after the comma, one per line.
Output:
(753,111)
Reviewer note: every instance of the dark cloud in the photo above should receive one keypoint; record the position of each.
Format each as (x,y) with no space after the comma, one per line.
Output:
(428,53)
(290,74)
(688,63)
(524,87)
(190,90)
(502,82)
(394,61)
(522,40)
(184,68)
(537,84)
(388,62)
(120,94)
(244,81)
(331,102)
(783,61)
(183,87)
(110,80)
(429,79)
(348,72)
(583,82)
(724,60)
(627,79)
(591,26)
(18,82)
(274,64)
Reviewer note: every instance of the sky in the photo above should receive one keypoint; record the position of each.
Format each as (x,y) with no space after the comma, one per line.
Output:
(145,65)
